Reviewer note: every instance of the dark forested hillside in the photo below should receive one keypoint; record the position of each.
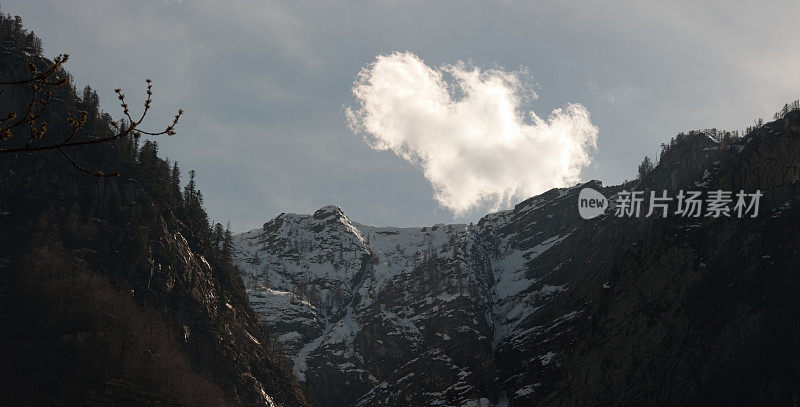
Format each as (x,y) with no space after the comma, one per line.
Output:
(116,290)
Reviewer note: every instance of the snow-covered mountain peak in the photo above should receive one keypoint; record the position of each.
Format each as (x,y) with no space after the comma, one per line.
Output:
(352,304)
(500,313)
(329,211)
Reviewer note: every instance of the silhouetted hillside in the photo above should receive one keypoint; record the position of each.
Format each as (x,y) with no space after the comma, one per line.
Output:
(116,291)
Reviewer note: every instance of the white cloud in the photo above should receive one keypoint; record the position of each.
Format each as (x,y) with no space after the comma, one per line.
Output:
(465,127)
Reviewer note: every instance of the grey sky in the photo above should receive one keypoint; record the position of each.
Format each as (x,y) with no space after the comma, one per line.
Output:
(265,84)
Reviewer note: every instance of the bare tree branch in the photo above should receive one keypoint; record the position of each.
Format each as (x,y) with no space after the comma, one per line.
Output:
(39,102)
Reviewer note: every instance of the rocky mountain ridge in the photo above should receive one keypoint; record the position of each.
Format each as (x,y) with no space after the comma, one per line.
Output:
(513,310)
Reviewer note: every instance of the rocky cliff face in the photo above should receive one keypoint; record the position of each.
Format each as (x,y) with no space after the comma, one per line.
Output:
(537,306)
(362,296)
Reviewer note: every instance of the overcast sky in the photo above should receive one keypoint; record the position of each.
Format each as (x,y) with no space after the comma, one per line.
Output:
(267,87)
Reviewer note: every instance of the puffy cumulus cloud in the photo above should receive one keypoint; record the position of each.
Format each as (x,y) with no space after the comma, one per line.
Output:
(465,127)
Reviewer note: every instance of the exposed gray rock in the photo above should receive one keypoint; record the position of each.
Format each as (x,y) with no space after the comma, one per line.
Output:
(537,306)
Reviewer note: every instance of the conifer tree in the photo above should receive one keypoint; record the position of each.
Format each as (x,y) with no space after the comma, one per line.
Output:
(645,167)
(227,245)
